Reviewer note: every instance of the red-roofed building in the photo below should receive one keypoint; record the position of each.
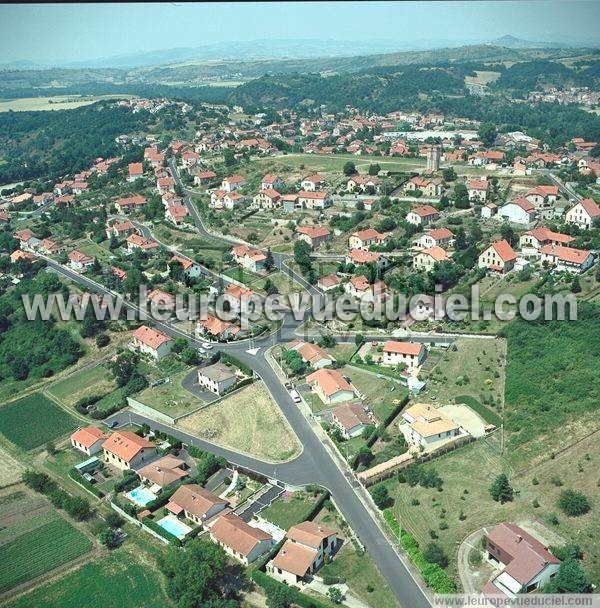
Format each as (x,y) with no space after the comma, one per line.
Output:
(126,450)
(241,299)
(585,213)
(363,239)
(130,203)
(152,342)
(478,189)
(267,198)
(313,182)
(429,186)
(239,539)
(520,211)
(251,259)
(533,240)
(136,170)
(436,237)
(411,354)
(233,182)
(498,257)
(120,229)
(542,195)
(359,257)
(423,215)
(80,261)
(330,386)
(203,178)
(313,235)
(88,440)
(427,258)
(313,200)
(567,258)
(271,182)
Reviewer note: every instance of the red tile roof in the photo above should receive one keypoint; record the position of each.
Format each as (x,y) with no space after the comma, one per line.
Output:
(126,445)
(88,436)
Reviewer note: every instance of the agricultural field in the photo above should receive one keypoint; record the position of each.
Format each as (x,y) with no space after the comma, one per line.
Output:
(472,368)
(31,421)
(104,580)
(290,509)
(248,421)
(56,102)
(10,468)
(85,383)
(36,544)
(482,77)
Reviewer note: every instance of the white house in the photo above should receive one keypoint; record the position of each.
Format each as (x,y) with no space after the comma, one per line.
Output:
(412,354)
(567,258)
(428,425)
(436,237)
(585,213)
(519,211)
(239,539)
(498,257)
(330,386)
(88,440)
(216,378)
(152,342)
(420,216)
(352,418)
(126,450)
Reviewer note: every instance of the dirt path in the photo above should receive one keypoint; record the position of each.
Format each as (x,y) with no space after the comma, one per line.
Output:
(467,581)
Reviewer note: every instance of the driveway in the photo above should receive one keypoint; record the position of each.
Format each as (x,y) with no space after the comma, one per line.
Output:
(190,384)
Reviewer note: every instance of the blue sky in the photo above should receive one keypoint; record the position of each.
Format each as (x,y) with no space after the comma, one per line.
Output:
(79,32)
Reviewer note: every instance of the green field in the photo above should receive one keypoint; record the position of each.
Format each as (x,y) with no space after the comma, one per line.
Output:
(33,420)
(170,398)
(116,581)
(288,511)
(39,551)
(85,383)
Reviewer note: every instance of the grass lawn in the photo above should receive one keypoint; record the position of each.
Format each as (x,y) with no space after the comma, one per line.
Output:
(470,367)
(118,580)
(170,398)
(33,420)
(39,551)
(289,510)
(248,421)
(85,383)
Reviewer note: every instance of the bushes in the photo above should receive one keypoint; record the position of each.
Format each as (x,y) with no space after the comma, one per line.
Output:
(433,574)
(77,478)
(573,503)
(229,360)
(274,588)
(128,482)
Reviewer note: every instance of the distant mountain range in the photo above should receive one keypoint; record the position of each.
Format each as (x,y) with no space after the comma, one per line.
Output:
(282,49)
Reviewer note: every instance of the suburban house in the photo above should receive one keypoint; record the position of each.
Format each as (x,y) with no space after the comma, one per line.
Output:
(233,182)
(478,189)
(313,200)
(271,182)
(428,425)
(162,300)
(313,182)
(130,203)
(360,257)
(426,259)
(195,503)
(126,450)
(163,473)
(364,291)
(303,552)
(212,326)
(19,254)
(352,419)
(520,211)
(136,170)
(436,237)
(267,199)
(312,354)
(136,241)
(489,210)
(88,440)
(152,342)
(527,565)
(567,258)
(176,214)
(498,257)
(313,235)
(239,539)
(532,241)
(290,202)
(542,195)
(420,216)
(363,239)
(216,378)
(251,259)
(240,299)
(79,260)
(204,178)
(190,268)
(430,187)
(120,229)
(329,282)
(50,247)
(411,354)
(330,386)
(585,213)
(364,183)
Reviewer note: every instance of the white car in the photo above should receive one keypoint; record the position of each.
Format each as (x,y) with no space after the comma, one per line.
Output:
(207,346)
(295,396)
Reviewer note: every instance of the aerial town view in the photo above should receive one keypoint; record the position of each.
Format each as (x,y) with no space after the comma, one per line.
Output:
(300,304)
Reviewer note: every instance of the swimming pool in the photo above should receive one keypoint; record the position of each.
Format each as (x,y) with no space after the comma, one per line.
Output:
(141,495)
(174,526)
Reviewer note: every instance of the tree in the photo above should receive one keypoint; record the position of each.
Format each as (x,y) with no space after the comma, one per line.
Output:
(570,578)
(359,339)
(381,496)
(228,158)
(50,448)
(449,174)
(501,490)
(487,133)
(508,234)
(349,168)
(576,285)
(270,287)
(269,262)
(573,503)
(102,340)
(109,537)
(279,596)
(335,595)
(374,169)
(189,355)
(461,196)
(434,554)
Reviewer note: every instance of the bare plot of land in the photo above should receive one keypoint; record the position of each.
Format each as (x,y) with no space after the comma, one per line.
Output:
(10,469)
(247,421)
(56,102)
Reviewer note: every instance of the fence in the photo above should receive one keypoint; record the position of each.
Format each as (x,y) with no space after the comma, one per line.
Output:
(138,523)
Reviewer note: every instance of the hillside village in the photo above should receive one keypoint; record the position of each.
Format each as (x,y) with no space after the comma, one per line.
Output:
(168,432)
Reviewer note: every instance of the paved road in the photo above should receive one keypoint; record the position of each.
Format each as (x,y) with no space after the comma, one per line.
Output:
(566,190)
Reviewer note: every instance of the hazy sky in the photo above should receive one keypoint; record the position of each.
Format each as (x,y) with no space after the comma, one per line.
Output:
(86,31)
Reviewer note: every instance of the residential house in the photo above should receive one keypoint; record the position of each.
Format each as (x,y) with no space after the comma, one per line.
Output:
(271,182)
(567,258)
(313,200)
(423,215)
(312,354)
(196,503)
(162,299)
(429,186)
(120,229)
(520,211)
(498,257)
(364,183)
(436,237)
(204,178)
(152,342)
(163,473)
(313,235)
(585,213)
(130,203)
(233,182)
(214,327)
(489,210)
(313,182)
(136,170)
(527,565)
(51,247)
(427,258)
(532,241)
(88,440)
(239,539)
(478,190)
(80,261)
(428,426)
(366,292)
(19,254)
(359,257)
(290,202)
(137,242)
(190,268)
(241,299)
(330,386)
(352,419)
(411,354)
(542,195)
(126,450)
(216,378)
(363,239)
(303,553)
(26,238)
(267,199)
(329,282)
(176,214)
(165,184)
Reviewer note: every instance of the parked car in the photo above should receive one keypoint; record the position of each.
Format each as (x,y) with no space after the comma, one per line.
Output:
(295,396)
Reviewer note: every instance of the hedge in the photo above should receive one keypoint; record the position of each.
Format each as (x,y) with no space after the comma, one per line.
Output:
(150,523)
(485,412)
(435,577)
(162,499)
(227,358)
(82,481)
(270,584)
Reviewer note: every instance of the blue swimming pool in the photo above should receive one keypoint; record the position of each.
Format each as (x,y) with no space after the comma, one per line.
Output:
(174,526)
(141,496)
